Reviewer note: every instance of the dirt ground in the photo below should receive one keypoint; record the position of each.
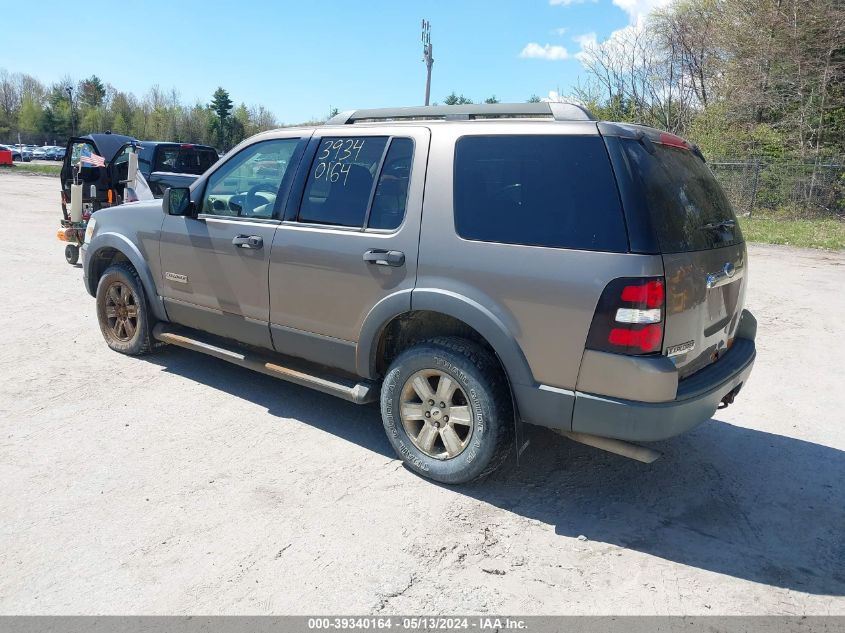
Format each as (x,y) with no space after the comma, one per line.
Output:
(178,484)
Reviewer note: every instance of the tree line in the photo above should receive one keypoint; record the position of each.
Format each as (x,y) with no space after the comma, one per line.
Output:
(44,114)
(738,77)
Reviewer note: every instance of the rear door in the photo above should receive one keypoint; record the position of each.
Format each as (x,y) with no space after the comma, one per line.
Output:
(703,251)
(349,240)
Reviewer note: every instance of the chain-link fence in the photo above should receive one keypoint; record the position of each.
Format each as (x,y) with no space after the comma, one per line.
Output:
(785,188)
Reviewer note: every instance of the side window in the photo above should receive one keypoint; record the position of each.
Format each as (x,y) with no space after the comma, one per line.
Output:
(248,183)
(340,180)
(87,171)
(145,159)
(556,191)
(166,158)
(392,190)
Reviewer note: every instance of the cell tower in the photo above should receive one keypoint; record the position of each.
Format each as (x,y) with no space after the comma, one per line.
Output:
(427,58)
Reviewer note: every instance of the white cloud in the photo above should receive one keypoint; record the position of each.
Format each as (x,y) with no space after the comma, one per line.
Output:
(638,10)
(586,41)
(550,52)
(566,3)
(560,30)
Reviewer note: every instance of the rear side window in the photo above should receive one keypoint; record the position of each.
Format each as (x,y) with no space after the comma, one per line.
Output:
(554,191)
(392,190)
(184,159)
(689,211)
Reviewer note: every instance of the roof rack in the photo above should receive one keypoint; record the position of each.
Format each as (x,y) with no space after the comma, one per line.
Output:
(556,111)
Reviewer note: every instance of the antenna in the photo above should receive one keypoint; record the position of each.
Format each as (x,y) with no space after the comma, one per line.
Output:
(427,57)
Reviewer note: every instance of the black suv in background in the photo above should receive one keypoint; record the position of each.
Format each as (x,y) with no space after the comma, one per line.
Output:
(163,164)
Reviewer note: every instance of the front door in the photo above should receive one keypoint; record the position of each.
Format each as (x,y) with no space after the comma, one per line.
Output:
(215,263)
(350,242)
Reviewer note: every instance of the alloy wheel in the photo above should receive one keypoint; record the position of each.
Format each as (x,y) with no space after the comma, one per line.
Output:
(436,414)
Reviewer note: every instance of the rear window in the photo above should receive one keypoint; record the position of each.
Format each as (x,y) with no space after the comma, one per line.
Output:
(184,160)
(555,191)
(689,211)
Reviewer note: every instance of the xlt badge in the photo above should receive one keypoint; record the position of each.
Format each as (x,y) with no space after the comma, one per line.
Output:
(182,279)
(683,348)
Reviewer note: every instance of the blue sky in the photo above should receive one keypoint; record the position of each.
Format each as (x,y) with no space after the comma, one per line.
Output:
(300,58)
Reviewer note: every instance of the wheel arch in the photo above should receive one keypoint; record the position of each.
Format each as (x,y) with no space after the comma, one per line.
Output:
(437,312)
(109,248)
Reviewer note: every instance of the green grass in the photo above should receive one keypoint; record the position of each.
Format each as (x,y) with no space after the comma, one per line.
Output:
(29,168)
(828,233)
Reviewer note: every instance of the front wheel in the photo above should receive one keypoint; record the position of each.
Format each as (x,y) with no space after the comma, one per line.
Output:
(71,254)
(122,311)
(447,410)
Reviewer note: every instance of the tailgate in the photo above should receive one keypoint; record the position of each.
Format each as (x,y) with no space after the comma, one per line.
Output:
(677,199)
(705,293)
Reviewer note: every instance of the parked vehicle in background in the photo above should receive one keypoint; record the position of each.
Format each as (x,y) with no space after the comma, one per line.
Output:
(166,164)
(56,153)
(472,267)
(40,153)
(19,153)
(104,186)
(163,164)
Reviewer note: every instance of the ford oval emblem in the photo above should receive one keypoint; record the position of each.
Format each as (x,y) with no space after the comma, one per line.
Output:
(729,269)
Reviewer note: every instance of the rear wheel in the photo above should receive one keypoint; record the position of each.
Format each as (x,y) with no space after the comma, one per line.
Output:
(71,254)
(447,410)
(122,311)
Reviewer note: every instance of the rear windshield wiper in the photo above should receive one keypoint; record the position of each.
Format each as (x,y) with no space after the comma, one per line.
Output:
(719,226)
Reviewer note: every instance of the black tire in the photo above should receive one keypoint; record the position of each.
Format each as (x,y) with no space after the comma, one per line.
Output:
(72,254)
(488,399)
(120,287)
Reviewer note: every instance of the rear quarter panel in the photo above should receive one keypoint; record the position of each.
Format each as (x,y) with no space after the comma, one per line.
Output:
(545,297)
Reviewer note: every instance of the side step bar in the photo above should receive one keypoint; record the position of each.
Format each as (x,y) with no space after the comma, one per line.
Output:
(293,370)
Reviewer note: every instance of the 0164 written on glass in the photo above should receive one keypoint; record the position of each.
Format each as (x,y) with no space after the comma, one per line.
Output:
(335,158)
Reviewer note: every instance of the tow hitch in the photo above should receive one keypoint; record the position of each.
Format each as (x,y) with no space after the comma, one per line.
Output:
(728,399)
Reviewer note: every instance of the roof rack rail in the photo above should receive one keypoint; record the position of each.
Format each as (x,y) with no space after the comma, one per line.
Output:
(556,111)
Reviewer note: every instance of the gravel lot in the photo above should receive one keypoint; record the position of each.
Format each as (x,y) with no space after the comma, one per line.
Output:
(180,484)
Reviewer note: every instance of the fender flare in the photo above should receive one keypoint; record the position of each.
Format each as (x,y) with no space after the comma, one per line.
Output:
(125,246)
(376,320)
(477,316)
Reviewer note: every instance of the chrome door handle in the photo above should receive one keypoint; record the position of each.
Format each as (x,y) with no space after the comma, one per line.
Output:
(384,258)
(248,241)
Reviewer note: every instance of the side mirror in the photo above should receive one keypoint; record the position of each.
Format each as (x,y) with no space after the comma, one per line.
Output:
(177,201)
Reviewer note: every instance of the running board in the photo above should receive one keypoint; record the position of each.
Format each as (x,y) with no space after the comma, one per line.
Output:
(293,370)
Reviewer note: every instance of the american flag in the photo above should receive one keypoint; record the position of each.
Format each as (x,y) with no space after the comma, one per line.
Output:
(93,159)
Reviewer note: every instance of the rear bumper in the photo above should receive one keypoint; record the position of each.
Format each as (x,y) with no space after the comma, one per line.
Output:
(695,399)
(698,398)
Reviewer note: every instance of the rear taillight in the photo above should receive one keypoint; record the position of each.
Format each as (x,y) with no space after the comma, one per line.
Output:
(629,317)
